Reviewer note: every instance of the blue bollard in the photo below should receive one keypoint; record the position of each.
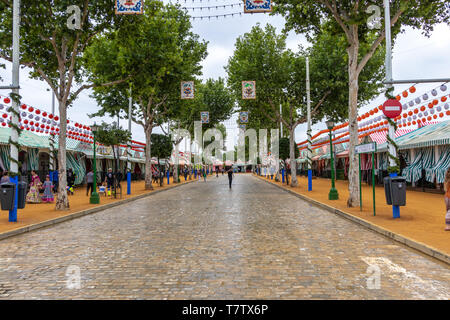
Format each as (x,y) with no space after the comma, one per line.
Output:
(395,209)
(282,175)
(168,177)
(128,182)
(309,180)
(13,212)
(195,174)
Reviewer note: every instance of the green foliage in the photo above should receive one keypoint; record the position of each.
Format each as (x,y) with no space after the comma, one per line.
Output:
(161,146)
(112,135)
(306,16)
(212,96)
(284,149)
(158,50)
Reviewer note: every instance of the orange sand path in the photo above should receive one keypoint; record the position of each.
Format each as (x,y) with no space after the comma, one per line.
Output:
(422,219)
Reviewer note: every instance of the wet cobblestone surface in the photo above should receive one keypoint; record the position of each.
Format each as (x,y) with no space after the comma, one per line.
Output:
(204,241)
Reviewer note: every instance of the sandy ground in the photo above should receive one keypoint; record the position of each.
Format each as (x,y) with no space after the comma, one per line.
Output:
(422,219)
(35,213)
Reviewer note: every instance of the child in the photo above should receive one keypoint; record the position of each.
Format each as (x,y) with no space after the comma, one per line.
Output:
(447,199)
(48,194)
(102,188)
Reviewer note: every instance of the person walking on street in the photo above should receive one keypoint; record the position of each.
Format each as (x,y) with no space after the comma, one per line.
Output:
(217,172)
(230,175)
(204,174)
(89,182)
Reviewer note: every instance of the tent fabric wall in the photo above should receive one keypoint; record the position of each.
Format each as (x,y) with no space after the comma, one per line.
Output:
(4,157)
(32,159)
(74,164)
(424,159)
(441,166)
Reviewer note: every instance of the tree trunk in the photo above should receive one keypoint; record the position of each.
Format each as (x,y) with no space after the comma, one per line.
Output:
(353,185)
(115,172)
(148,159)
(62,201)
(293,161)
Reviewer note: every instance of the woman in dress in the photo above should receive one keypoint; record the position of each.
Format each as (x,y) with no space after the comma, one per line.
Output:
(447,199)
(33,194)
(48,194)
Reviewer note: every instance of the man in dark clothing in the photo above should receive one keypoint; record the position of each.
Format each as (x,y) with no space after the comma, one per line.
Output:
(70,180)
(230,175)
(109,180)
(217,172)
(89,182)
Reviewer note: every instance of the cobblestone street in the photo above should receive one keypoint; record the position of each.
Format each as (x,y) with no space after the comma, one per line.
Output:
(204,241)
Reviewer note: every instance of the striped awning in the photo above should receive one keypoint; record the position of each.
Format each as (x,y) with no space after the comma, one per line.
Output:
(380,137)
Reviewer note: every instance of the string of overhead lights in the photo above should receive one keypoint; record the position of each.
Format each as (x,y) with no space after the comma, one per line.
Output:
(223,6)
(217,16)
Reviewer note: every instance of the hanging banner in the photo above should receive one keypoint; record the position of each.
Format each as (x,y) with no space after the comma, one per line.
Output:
(243,116)
(252,6)
(243,127)
(248,89)
(187,89)
(129,6)
(204,116)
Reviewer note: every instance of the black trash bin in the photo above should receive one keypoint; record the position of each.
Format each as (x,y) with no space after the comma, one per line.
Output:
(7,191)
(387,189)
(21,194)
(398,191)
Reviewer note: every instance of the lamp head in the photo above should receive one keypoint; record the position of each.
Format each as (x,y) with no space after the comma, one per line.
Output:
(330,124)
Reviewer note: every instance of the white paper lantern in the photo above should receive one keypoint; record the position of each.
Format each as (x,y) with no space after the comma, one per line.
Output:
(23,114)
(431,111)
(438,108)
(30,116)
(37,118)
(409,119)
(446,106)
(425,97)
(411,103)
(417,100)
(404,107)
(443,87)
(434,92)
(420,114)
(414,117)
(1,106)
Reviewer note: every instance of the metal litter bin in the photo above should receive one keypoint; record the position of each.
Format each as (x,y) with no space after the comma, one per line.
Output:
(7,193)
(22,194)
(387,189)
(398,191)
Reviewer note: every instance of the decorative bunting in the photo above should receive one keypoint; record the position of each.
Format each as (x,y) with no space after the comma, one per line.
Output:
(129,6)
(187,90)
(252,6)
(248,90)
(204,116)
(243,116)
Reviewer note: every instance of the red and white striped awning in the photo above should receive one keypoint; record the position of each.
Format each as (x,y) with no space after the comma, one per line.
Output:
(380,137)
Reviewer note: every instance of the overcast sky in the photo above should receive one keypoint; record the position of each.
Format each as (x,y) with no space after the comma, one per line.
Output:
(415,56)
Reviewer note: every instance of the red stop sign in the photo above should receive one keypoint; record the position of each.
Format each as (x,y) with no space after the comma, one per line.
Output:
(392,108)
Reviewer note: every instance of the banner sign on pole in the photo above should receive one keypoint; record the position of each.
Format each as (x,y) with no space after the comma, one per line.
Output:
(204,116)
(243,116)
(248,90)
(129,6)
(366,148)
(187,89)
(243,127)
(252,6)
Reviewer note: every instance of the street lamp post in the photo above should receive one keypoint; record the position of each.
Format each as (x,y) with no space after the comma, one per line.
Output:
(95,199)
(333,195)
